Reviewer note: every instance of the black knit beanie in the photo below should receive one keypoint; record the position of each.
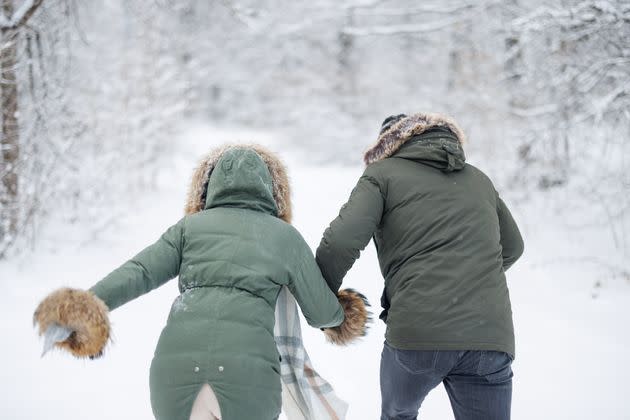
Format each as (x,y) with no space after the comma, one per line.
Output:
(391,120)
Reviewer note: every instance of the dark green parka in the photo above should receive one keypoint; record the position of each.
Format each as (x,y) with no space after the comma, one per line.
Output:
(233,253)
(444,239)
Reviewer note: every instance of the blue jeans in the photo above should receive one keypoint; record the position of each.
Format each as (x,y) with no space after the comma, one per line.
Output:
(478,383)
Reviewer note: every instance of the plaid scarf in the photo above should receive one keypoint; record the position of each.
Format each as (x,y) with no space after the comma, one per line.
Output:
(305,394)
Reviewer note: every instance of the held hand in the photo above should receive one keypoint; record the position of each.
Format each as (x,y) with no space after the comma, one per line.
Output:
(74,320)
(357,318)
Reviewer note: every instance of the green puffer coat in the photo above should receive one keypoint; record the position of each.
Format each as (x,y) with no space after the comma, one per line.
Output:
(444,240)
(233,253)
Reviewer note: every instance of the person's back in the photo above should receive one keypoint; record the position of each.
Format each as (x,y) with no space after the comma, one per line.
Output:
(439,247)
(234,253)
(444,239)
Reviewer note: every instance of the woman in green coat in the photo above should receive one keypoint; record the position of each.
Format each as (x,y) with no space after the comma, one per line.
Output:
(233,252)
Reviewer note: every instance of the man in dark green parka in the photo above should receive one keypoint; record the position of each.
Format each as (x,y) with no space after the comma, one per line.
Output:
(444,240)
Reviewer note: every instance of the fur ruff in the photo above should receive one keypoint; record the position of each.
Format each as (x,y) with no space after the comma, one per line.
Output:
(357,317)
(196,200)
(390,141)
(81,311)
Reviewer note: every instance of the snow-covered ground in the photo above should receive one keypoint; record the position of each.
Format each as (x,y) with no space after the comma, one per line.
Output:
(572,338)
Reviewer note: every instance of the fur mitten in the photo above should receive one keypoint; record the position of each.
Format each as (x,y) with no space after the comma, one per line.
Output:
(355,325)
(80,311)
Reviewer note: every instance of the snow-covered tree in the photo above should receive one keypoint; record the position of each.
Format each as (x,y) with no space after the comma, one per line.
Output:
(14,19)
(103,87)
(569,63)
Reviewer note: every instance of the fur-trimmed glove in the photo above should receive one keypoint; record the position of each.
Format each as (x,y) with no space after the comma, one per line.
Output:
(355,325)
(80,311)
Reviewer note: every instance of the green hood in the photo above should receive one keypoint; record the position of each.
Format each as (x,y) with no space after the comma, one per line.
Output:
(241,179)
(437,148)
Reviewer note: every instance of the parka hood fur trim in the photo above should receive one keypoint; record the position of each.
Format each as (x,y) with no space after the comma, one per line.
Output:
(81,311)
(281,189)
(390,141)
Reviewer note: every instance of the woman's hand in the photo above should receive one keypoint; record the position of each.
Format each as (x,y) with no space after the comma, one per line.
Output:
(357,318)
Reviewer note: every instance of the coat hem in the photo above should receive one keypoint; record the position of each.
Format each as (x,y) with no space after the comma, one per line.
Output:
(463,346)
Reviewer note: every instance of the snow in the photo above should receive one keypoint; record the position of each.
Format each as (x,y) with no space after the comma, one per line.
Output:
(570,315)
(182,301)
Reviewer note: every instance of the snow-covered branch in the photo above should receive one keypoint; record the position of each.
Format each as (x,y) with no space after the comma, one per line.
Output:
(430,26)
(21,15)
(587,12)
(407,11)
(534,111)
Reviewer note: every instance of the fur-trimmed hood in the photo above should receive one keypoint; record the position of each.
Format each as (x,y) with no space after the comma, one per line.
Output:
(392,139)
(198,190)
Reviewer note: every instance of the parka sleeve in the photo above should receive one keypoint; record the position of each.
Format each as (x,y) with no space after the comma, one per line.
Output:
(351,231)
(318,303)
(511,239)
(148,270)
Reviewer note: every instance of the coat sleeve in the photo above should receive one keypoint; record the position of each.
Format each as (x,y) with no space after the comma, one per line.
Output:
(148,270)
(351,231)
(511,239)
(319,304)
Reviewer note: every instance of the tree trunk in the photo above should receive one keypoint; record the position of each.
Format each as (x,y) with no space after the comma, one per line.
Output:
(9,132)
